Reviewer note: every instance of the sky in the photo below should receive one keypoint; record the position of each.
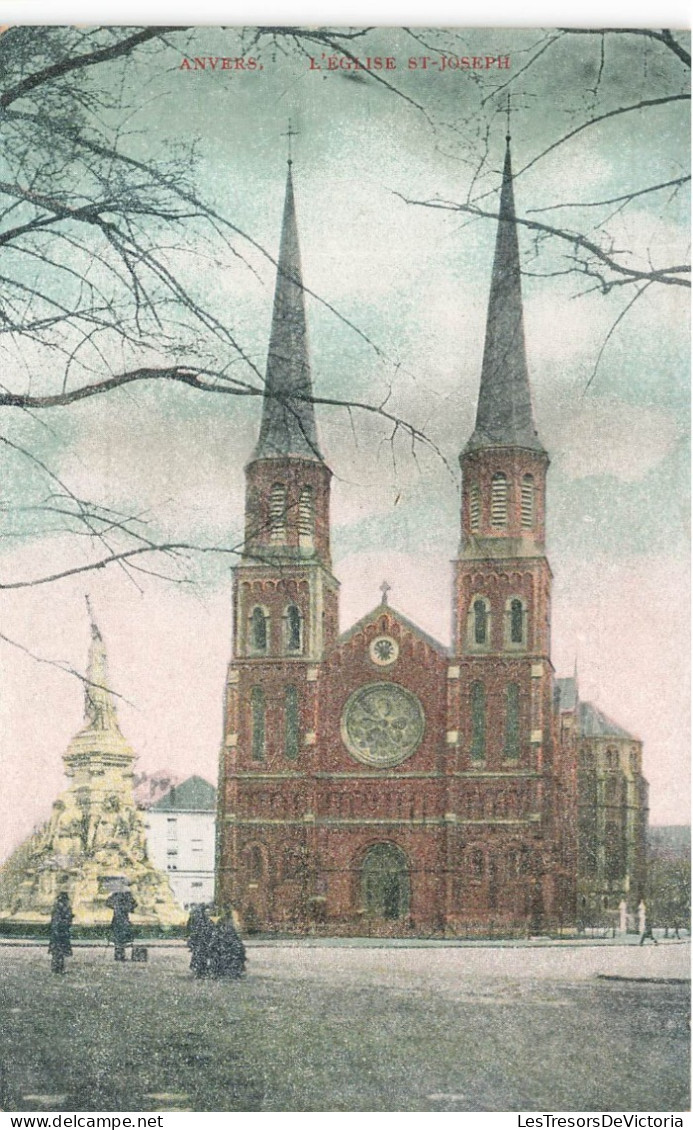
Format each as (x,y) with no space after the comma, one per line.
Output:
(398,320)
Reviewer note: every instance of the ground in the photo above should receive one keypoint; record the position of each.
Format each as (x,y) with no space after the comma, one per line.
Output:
(350,1027)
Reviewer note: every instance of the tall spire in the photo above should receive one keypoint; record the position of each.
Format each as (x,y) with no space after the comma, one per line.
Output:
(288,418)
(504,412)
(99,707)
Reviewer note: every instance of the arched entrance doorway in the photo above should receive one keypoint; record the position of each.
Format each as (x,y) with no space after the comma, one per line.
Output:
(385,887)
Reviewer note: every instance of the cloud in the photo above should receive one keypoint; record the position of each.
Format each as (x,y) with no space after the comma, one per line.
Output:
(609,437)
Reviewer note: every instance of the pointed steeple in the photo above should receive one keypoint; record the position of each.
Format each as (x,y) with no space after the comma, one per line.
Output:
(288,417)
(504,413)
(99,707)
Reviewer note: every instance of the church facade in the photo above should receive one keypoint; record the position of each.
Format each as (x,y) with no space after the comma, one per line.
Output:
(378,782)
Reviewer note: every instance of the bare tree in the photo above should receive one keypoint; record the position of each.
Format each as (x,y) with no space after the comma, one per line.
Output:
(92,295)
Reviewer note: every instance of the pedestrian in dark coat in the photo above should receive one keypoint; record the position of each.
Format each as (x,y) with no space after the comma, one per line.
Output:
(647,935)
(200,931)
(59,945)
(227,956)
(122,904)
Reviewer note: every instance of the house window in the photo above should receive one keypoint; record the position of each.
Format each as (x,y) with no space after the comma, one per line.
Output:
(512,721)
(478,749)
(306,517)
(258,630)
(257,717)
(499,501)
(474,507)
(291,723)
(293,625)
(527,503)
(277,514)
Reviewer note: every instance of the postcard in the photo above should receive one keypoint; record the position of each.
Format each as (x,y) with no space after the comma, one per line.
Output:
(344,572)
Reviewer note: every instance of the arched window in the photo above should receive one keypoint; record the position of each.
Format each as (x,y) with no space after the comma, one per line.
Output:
(277,514)
(258,630)
(511,747)
(255,863)
(292,864)
(492,884)
(611,759)
(515,624)
(481,619)
(499,500)
(527,503)
(477,863)
(257,724)
(306,517)
(291,723)
(633,762)
(478,750)
(293,629)
(474,507)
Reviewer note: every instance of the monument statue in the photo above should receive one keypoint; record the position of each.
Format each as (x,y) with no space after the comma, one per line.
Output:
(94,841)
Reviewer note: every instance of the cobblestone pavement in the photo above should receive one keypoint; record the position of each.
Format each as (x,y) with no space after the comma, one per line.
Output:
(349,1028)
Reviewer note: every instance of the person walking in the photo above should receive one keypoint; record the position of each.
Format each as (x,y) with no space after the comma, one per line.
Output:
(199,930)
(122,904)
(647,935)
(59,943)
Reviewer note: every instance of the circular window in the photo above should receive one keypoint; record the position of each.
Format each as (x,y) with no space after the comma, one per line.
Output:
(383,650)
(382,724)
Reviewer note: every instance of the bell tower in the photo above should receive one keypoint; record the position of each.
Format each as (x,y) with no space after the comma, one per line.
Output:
(502,711)
(503,579)
(285,617)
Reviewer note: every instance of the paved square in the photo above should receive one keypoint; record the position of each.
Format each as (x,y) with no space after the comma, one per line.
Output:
(349,1028)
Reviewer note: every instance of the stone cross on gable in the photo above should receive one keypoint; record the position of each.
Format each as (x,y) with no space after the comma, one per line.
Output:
(384,588)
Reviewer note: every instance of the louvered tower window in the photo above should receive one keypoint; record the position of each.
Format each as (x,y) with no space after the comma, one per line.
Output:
(499,501)
(527,503)
(306,516)
(277,514)
(478,749)
(474,507)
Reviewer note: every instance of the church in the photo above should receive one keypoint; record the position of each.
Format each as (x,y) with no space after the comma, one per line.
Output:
(378,782)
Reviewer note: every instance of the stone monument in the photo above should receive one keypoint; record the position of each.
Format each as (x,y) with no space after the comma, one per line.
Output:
(94,842)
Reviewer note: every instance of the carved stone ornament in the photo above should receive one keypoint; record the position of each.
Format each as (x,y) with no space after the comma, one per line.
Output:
(383,651)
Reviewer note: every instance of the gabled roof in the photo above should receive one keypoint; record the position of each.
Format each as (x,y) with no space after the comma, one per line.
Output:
(388,609)
(567,693)
(193,795)
(593,724)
